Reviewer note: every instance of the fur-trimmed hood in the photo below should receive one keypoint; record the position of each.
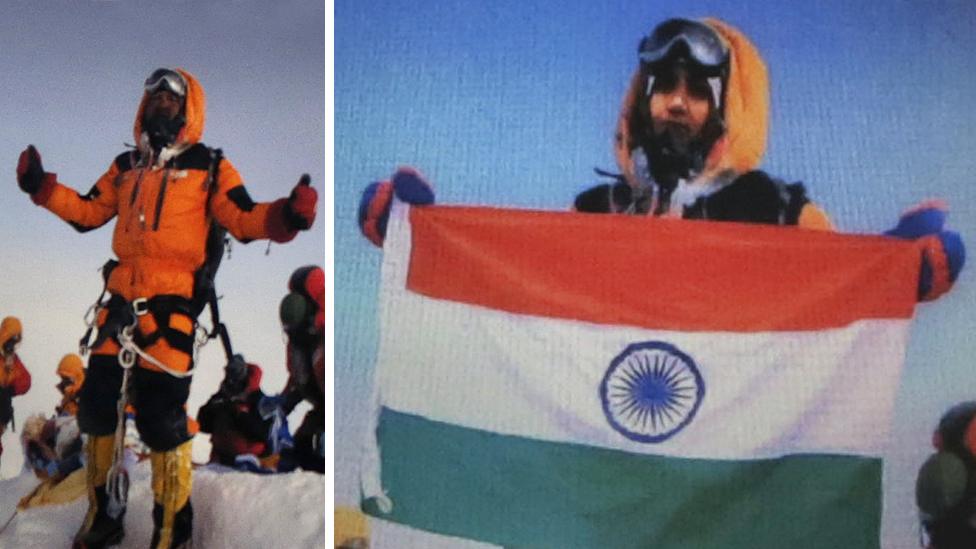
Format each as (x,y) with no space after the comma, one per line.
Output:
(746,112)
(194,109)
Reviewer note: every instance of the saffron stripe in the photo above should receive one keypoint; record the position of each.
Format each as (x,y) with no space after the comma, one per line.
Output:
(659,273)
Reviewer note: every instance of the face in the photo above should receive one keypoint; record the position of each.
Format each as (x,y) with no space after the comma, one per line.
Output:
(11,344)
(165,103)
(680,103)
(64,384)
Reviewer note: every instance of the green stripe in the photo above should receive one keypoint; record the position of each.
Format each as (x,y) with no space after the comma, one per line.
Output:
(521,492)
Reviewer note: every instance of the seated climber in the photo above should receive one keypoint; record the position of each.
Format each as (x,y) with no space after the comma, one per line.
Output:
(238,433)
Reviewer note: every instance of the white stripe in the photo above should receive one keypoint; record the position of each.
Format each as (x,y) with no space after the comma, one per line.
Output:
(392,279)
(766,394)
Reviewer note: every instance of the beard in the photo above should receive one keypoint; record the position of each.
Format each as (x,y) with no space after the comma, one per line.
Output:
(674,151)
(675,138)
(162,130)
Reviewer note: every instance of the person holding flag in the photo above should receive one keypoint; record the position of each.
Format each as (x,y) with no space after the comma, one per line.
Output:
(689,140)
(690,136)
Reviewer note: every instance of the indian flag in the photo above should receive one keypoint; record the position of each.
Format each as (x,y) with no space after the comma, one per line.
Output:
(562,380)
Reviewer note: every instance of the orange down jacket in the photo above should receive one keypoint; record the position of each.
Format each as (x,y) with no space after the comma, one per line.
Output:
(164,207)
(13,375)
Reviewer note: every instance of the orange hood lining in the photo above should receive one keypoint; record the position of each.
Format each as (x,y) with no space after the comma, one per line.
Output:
(194,109)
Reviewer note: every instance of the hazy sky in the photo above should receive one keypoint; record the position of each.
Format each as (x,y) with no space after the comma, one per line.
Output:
(512,103)
(73,74)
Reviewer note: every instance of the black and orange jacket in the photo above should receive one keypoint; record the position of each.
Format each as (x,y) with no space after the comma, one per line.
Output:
(14,377)
(14,380)
(164,207)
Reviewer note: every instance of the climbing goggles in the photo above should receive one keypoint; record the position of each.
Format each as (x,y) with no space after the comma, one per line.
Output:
(683,37)
(169,79)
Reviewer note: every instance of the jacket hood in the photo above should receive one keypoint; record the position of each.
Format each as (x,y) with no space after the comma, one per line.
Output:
(72,368)
(746,111)
(194,109)
(9,328)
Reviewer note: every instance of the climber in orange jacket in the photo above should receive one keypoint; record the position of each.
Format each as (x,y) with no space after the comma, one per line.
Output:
(71,370)
(166,193)
(15,380)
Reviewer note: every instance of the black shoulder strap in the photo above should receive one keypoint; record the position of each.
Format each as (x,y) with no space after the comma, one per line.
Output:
(205,293)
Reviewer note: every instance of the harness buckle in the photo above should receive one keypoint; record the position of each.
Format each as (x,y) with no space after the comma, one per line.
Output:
(140,306)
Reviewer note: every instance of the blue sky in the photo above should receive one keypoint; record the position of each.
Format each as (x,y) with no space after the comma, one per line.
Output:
(73,74)
(510,103)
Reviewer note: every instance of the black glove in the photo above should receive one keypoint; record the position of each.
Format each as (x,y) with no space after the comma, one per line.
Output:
(30,172)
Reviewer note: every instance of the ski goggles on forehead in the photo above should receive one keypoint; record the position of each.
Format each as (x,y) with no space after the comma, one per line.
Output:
(167,79)
(680,36)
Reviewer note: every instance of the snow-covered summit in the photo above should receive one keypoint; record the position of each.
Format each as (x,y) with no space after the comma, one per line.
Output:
(231,510)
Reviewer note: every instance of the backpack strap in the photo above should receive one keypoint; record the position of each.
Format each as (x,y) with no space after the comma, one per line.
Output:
(216,240)
(204,290)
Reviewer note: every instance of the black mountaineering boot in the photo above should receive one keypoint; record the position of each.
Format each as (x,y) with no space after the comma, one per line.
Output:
(99,529)
(181,530)
(104,530)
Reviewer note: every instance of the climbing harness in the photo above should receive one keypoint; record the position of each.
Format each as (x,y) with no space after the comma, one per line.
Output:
(117,485)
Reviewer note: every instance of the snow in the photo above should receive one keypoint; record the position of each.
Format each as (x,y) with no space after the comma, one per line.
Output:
(231,510)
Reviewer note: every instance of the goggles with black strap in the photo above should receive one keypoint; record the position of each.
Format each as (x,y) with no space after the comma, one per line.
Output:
(692,39)
(690,42)
(167,79)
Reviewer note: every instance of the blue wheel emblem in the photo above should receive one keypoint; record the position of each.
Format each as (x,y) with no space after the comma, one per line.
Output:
(651,391)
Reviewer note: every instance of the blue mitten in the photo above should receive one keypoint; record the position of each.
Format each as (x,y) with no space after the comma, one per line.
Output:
(374,206)
(943,252)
